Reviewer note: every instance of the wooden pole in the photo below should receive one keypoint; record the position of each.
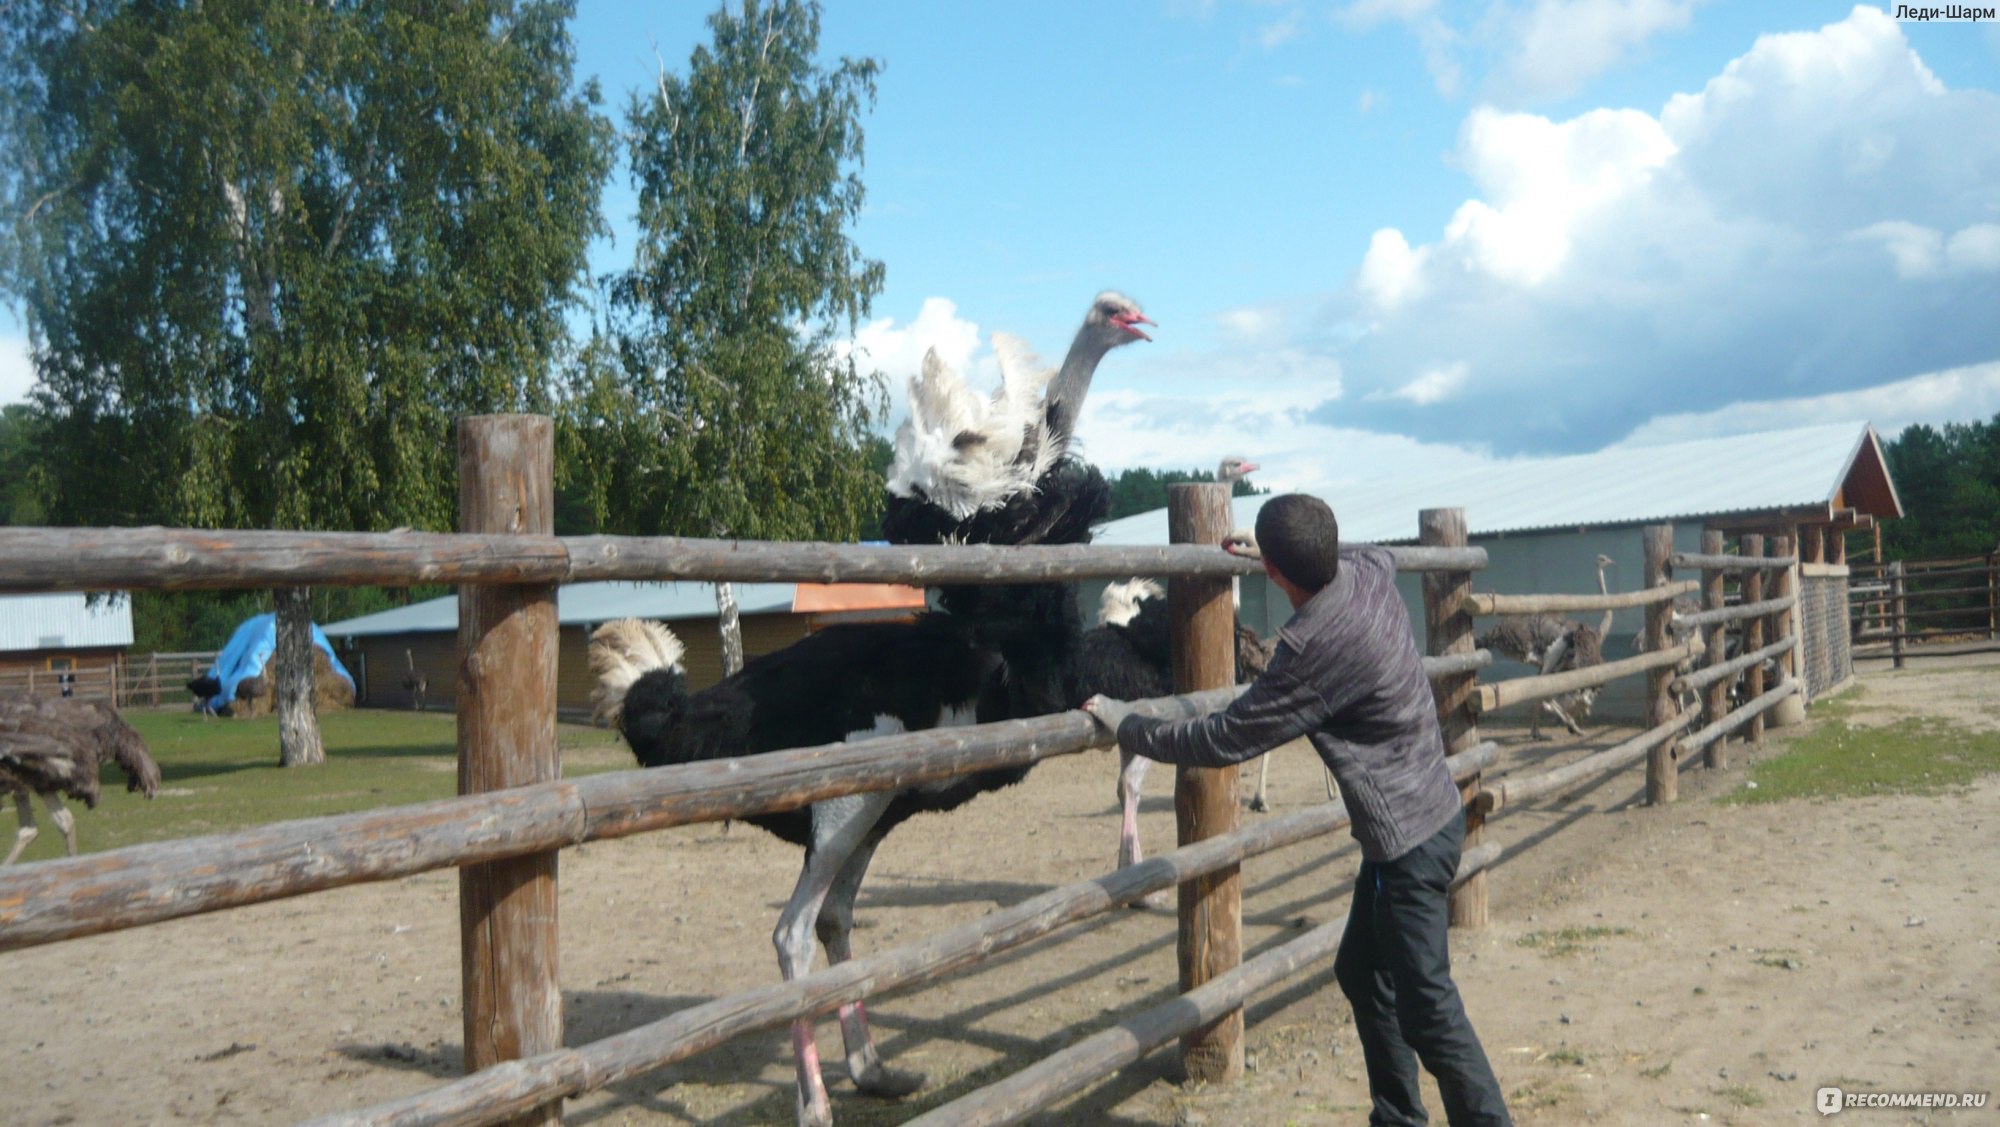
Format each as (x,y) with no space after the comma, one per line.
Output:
(507,636)
(1662,780)
(1448,630)
(1716,701)
(1992,594)
(1753,631)
(1898,624)
(1787,624)
(1211,907)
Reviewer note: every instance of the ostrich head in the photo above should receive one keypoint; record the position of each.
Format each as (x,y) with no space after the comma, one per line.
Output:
(1234,469)
(1114,319)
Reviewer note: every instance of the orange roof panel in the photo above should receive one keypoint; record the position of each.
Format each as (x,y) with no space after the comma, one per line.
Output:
(821,598)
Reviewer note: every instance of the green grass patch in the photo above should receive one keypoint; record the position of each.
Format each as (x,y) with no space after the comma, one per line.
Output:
(1567,1056)
(218,775)
(1842,707)
(1918,755)
(1742,1095)
(1568,940)
(1657,1071)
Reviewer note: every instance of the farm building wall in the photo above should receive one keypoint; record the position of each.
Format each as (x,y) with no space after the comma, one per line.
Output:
(95,671)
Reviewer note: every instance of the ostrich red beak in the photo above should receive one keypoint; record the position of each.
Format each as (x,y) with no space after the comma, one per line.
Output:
(1127,321)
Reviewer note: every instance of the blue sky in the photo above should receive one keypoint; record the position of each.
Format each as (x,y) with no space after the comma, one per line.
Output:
(1382,236)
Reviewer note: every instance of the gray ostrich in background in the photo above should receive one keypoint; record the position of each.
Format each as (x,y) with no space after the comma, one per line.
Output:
(1553,644)
(52,746)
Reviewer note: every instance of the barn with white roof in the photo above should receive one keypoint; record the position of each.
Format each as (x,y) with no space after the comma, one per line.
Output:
(1544,522)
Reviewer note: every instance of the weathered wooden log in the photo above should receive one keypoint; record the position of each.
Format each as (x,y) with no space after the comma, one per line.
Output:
(494,1094)
(1448,632)
(1716,637)
(1486,603)
(1753,629)
(142,884)
(1952,612)
(1710,676)
(1075,1068)
(1446,666)
(1780,586)
(1742,611)
(1740,716)
(1914,576)
(1718,561)
(1210,943)
(1522,690)
(1899,624)
(1503,793)
(507,739)
(1662,709)
(1916,593)
(180,559)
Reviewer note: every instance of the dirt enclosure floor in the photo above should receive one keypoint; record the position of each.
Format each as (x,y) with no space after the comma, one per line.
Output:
(1698,963)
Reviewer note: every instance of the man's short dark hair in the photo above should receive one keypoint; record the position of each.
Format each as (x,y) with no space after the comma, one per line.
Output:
(1298,536)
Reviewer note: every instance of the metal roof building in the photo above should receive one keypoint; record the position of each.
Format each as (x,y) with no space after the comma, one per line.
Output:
(1545,521)
(1806,476)
(49,643)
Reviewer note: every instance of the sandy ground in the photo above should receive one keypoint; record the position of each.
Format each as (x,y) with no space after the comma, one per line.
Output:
(1740,957)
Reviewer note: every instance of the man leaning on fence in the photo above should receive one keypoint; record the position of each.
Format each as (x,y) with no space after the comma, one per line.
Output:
(1347,675)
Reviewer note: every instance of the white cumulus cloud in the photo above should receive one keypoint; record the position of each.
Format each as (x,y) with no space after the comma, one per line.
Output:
(1555,47)
(1817,218)
(1957,395)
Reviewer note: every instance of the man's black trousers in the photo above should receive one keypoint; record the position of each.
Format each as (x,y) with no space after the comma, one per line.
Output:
(1396,973)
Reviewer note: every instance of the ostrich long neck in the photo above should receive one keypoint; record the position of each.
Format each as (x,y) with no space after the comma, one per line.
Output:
(1603,588)
(1072,383)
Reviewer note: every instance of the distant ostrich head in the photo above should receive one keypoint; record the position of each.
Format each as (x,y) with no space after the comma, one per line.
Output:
(1234,469)
(1114,319)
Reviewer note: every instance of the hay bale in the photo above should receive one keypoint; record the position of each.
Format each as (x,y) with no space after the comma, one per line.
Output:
(257,695)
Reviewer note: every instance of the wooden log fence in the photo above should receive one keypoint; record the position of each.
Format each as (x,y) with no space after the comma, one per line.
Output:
(1717,560)
(1718,675)
(1886,598)
(496,1092)
(1490,604)
(513,815)
(176,559)
(1741,612)
(1741,715)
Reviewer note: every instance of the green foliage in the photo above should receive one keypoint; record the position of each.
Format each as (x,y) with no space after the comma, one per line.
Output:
(20,486)
(1142,490)
(269,251)
(1915,755)
(1949,482)
(718,402)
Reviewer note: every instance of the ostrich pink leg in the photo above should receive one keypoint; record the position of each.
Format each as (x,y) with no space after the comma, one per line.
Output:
(1131,776)
(836,921)
(840,827)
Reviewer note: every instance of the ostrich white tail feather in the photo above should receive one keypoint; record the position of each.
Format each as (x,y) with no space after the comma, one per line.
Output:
(621,652)
(1119,604)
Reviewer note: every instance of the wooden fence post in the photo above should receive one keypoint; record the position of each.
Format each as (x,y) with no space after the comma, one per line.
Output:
(1897,623)
(507,637)
(1992,594)
(1753,631)
(1790,622)
(1715,703)
(1448,629)
(1662,777)
(1205,802)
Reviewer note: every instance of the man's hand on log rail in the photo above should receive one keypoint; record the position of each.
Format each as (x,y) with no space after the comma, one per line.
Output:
(1108,713)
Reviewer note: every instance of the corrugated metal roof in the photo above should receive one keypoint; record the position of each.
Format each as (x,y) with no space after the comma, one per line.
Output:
(1710,477)
(582,603)
(63,622)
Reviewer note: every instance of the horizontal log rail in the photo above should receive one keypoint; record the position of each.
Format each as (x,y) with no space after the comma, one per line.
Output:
(1701,679)
(1502,793)
(177,559)
(143,884)
(496,1094)
(1823,571)
(1982,611)
(1913,594)
(1448,664)
(1695,561)
(1738,717)
(1522,690)
(1487,603)
(1913,574)
(1737,613)
(1072,1069)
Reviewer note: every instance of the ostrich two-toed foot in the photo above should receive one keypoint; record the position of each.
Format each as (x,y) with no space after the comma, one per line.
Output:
(889,1083)
(1258,805)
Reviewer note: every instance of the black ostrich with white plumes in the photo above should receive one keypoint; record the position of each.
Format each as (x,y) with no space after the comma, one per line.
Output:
(967,470)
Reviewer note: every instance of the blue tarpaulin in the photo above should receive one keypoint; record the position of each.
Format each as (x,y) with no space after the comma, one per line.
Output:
(250,647)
